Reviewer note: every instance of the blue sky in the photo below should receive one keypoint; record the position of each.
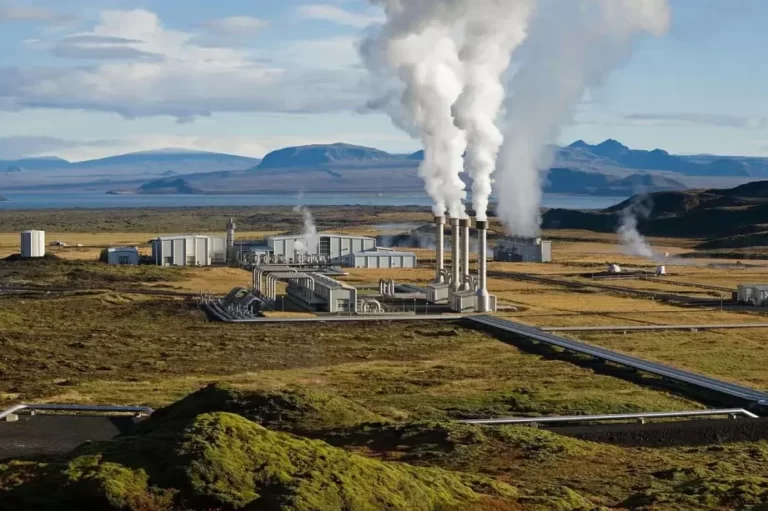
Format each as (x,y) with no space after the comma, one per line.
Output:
(85,79)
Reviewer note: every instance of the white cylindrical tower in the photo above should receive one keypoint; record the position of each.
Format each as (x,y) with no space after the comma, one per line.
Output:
(455,255)
(483,298)
(464,223)
(440,250)
(33,244)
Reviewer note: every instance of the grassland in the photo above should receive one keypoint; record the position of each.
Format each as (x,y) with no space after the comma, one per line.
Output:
(386,392)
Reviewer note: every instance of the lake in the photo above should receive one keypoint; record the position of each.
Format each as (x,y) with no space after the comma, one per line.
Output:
(102,200)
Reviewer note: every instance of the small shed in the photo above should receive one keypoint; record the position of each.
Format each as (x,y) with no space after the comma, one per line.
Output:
(122,255)
(380,259)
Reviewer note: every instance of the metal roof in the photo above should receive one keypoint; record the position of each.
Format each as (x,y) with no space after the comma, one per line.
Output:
(378,253)
(186,236)
(319,235)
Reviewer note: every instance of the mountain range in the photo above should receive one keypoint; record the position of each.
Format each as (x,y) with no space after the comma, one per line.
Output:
(608,168)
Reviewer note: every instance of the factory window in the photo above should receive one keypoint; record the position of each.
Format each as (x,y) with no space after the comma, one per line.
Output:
(325,247)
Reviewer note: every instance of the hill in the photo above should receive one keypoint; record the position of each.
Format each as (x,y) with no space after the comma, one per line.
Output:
(323,155)
(722,218)
(614,152)
(168,186)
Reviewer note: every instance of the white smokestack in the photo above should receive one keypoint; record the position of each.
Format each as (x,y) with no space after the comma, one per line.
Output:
(571,49)
(494,30)
(440,250)
(464,224)
(483,297)
(455,255)
(417,43)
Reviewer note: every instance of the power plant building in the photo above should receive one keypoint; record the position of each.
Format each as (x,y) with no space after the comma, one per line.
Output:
(330,247)
(33,244)
(380,259)
(523,250)
(189,250)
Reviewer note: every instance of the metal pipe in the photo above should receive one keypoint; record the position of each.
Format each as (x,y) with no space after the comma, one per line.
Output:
(76,408)
(440,249)
(613,417)
(464,223)
(483,297)
(455,255)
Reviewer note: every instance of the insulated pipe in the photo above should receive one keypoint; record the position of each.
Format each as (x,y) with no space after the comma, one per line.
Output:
(440,249)
(483,299)
(455,255)
(465,223)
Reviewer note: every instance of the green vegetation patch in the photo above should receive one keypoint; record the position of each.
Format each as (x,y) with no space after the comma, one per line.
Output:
(296,410)
(719,485)
(224,461)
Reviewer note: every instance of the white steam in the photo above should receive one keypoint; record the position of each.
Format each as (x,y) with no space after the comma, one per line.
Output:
(493,30)
(310,240)
(572,48)
(418,43)
(632,242)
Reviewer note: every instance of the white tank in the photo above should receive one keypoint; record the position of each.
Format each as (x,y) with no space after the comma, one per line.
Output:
(33,244)
(614,268)
(661,270)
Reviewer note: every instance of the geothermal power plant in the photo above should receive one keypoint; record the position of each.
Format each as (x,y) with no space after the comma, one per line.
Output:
(309,270)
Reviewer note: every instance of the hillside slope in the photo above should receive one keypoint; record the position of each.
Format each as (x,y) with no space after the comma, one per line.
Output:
(724,218)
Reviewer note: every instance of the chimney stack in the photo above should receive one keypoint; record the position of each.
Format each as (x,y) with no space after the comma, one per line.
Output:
(440,249)
(483,298)
(464,224)
(455,255)
(231,239)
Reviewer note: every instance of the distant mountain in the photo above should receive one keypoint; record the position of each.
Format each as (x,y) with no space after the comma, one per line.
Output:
(722,218)
(176,160)
(168,186)
(46,163)
(616,153)
(324,155)
(563,180)
(14,169)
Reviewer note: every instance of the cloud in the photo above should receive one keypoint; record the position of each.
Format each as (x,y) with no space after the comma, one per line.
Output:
(698,119)
(151,70)
(12,11)
(337,15)
(235,26)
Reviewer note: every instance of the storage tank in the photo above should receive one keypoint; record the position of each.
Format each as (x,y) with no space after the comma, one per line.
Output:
(614,268)
(661,270)
(33,244)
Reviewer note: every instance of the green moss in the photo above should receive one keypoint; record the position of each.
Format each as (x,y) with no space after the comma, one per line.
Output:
(224,461)
(559,498)
(295,410)
(715,486)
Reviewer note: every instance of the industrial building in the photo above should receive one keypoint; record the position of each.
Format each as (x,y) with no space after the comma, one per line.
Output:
(189,250)
(328,247)
(523,250)
(122,255)
(380,259)
(752,294)
(33,244)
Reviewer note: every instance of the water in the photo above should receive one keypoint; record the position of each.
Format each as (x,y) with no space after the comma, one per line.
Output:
(102,200)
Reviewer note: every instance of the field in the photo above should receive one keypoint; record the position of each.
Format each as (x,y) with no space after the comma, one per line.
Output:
(105,336)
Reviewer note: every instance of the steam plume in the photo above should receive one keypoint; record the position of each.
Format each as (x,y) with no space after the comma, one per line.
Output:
(632,242)
(417,42)
(571,50)
(494,30)
(310,240)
